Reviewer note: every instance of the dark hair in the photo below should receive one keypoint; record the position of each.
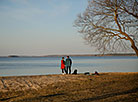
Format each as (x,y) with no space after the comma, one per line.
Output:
(68,56)
(62,57)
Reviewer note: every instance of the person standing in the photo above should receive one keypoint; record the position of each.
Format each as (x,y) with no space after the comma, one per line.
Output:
(68,65)
(63,65)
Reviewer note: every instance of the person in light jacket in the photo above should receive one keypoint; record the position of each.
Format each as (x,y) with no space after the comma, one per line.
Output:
(68,63)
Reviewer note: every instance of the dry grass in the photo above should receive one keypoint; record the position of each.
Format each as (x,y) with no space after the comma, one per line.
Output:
(107,87)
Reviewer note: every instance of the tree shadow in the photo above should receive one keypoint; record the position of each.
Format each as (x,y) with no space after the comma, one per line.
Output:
(31,99)
(39,98)
(51,95)
(5,99)
(108,95)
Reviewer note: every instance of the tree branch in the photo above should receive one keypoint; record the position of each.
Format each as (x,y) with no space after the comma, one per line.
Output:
(124,9)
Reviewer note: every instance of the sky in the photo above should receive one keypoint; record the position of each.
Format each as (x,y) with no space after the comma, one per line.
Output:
(41,27)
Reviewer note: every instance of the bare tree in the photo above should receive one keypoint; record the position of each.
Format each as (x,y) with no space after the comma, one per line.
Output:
(110,25)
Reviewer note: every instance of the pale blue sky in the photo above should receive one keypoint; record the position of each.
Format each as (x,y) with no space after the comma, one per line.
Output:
(41,27)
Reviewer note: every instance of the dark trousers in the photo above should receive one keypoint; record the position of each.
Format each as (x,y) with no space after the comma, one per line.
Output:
(63,70)
(68,68)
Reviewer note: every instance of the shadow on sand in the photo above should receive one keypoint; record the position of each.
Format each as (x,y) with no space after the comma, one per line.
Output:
(31,99)
(5,99)
(108,95)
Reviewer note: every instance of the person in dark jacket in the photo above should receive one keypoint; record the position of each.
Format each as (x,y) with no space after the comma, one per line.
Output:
(68,65)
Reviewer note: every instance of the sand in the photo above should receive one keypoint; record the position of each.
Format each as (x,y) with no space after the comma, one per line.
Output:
(106,87)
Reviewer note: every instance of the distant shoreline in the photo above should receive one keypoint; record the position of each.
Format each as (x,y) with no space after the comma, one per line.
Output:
(77,55)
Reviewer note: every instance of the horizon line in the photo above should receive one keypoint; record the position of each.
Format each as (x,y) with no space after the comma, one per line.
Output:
(58,55)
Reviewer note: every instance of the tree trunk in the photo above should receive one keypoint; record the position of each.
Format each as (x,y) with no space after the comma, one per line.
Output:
(135,49)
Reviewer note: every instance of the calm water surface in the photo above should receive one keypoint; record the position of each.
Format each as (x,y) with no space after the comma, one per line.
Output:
(51,65)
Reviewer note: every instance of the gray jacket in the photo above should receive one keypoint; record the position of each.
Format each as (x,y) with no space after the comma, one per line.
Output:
(68,62)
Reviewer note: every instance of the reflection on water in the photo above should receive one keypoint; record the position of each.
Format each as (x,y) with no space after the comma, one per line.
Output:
(51,65)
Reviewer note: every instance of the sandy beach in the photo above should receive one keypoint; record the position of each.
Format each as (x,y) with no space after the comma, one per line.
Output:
(106,87)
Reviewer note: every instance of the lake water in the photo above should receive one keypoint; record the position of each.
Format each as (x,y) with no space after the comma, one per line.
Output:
(51,65)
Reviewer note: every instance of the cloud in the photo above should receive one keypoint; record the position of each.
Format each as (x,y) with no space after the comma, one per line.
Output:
(20,13)
(59,10)
(24,2)
(26,13)
(26,10)
(54,7)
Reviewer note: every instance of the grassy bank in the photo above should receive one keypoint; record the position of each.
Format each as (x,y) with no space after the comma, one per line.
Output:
(108,87)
